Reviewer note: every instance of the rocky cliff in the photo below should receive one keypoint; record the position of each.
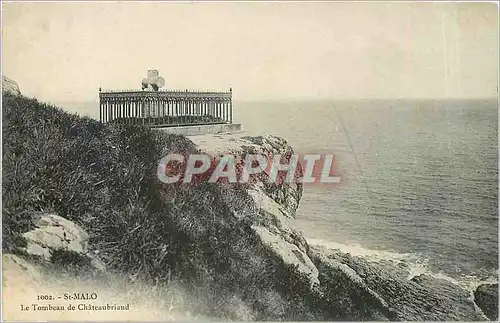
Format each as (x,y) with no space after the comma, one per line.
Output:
(486,297)
(365,290)
(89,199)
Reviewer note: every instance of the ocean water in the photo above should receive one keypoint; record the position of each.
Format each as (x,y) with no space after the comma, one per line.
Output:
(419,179)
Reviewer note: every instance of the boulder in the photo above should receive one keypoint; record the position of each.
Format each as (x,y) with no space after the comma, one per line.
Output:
(53,232)
(10,86)
(486,297)
(55,236)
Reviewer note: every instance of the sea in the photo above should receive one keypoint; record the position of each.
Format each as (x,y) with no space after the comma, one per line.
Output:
(419,179)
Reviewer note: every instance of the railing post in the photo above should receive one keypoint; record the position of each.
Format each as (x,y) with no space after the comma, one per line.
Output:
(148,110)
(218,109)
(169,108)
(132,111)
(209,102)
(124,116)
(163,108)
(112,108)
(230,105)
(181,109)
(143,110)
(115,110)
(226,111)
(186,107)
(136,112)
(176,112)
(128,112)
(100,106)
(222,109)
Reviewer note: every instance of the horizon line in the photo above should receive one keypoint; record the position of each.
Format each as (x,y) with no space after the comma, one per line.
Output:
(485,98)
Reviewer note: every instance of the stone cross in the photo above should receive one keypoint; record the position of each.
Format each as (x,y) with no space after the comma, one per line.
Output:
(153,80)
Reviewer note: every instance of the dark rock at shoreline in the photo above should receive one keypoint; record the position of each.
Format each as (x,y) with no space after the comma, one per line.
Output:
(419,299)
(456,297)
(486,297)
(346,292)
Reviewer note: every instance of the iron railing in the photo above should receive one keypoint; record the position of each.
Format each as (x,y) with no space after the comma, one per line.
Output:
(165,108)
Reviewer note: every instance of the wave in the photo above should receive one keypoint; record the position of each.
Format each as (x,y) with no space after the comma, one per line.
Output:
(417,264)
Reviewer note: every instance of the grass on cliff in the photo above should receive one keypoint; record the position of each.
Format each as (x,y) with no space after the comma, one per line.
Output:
(76,167)
(103,177)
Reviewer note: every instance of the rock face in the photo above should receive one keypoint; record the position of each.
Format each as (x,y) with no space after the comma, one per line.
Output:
(344,287)
(10,86)
(346,291)
(275,204)
(486,297)
(54,235)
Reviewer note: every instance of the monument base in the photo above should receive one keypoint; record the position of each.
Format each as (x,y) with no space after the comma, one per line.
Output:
(195,130)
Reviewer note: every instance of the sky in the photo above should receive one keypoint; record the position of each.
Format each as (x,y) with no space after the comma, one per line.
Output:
(63,52)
